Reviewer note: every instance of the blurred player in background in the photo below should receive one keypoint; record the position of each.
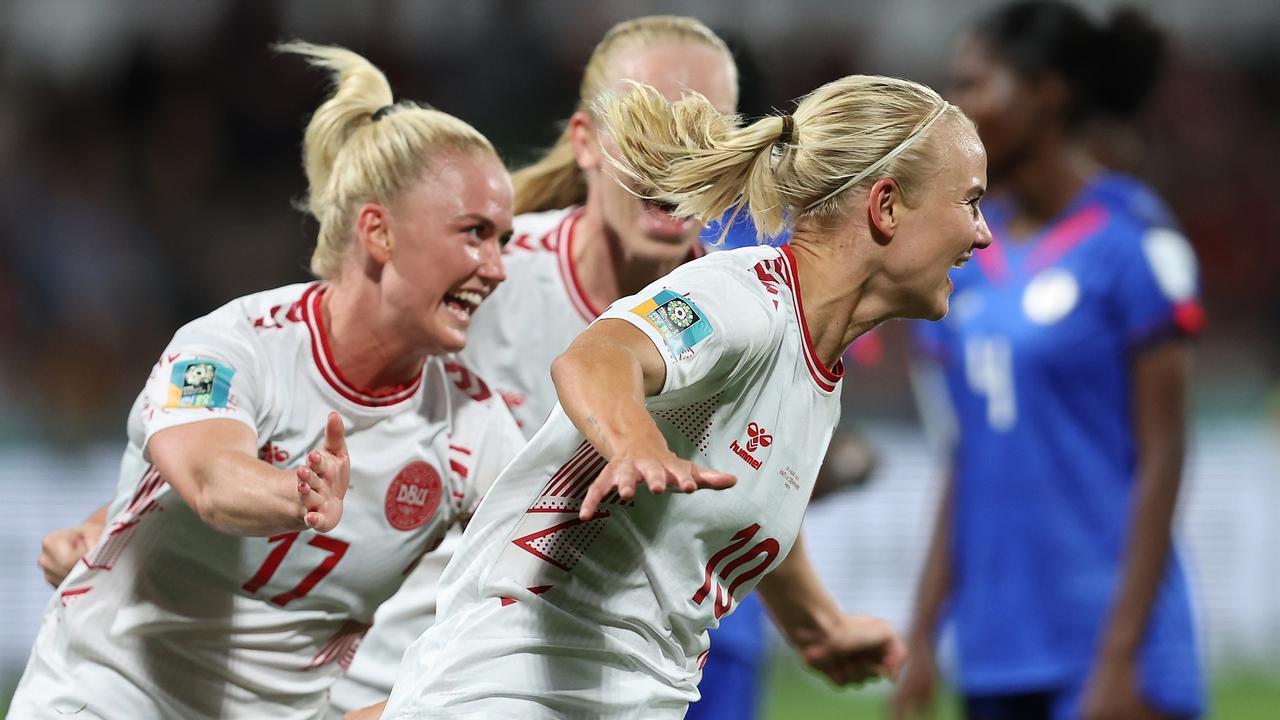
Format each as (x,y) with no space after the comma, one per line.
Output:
(581,242)
(572,595)
(296,451)
(1066,358)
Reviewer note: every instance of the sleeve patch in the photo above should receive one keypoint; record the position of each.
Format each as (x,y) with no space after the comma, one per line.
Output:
(680,323)
(1173,263)
(199,383)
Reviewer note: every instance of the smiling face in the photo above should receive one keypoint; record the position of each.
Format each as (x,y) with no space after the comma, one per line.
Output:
(445,237)
(644,228)
(942,228)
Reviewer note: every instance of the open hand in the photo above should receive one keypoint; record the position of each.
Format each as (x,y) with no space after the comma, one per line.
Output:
(322,481)
(659,470)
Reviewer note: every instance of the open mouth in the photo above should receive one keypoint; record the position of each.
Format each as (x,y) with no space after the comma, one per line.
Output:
(463,302)
(962,259)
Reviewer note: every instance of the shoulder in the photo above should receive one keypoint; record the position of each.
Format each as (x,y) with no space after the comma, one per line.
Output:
(743,288)
(540,232)
(250,317)
(1132,206)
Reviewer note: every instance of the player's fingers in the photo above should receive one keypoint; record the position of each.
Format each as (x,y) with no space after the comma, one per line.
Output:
(682,474)
(596,492)
(713,479)
(335,440)
(625,476)
(653,474)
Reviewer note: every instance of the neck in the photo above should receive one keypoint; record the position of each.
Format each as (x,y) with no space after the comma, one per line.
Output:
(836,316)
(1047,181)
(366,346)
(605,270)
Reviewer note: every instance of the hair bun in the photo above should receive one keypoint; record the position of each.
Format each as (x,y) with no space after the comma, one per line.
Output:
(1132,54)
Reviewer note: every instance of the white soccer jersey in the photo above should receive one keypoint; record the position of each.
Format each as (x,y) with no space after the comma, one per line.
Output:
(514,335)
(169,618)
(546,616)
(532,316)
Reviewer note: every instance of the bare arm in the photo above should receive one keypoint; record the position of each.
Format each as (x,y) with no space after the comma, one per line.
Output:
(602,380)
(213,465)
(1159,405)
(915,692)
(846,648)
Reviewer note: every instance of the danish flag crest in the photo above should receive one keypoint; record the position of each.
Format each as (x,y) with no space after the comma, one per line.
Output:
(757,438)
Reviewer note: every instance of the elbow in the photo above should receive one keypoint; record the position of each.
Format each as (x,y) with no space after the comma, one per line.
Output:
(562,368)
(204,504)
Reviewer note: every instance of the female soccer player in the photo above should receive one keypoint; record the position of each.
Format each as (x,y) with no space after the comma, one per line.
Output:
(295,451)
(581,242)
(574,596)
(1066,360)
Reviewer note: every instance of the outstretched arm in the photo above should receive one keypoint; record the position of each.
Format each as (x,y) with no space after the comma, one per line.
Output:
(602,381)
(845,648)
(213,465)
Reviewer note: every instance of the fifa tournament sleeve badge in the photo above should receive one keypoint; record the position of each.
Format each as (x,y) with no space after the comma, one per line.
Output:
(680,323)
(199,383)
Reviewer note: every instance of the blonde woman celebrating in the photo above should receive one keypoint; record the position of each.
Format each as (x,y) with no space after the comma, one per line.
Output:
(581,242)
(296,450)
(573,595)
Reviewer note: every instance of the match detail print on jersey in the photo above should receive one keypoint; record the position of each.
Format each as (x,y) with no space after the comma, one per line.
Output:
(675,317)
(199,383)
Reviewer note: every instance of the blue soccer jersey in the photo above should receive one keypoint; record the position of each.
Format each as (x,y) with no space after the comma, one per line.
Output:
(1037,352)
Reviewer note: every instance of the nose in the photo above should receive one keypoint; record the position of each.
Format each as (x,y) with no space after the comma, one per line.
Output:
(984,233)
(491,268)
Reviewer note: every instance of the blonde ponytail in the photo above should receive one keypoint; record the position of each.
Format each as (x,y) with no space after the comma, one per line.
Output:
(360,147)
(554,181)
(846,134)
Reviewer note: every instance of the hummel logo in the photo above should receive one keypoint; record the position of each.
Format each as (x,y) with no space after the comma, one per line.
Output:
(756,438)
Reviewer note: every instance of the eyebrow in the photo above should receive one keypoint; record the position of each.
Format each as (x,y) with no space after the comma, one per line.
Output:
(473,217)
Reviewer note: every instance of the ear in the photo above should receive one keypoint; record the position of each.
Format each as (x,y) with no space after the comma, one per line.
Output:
(373,232)
(884,208)
(583,139)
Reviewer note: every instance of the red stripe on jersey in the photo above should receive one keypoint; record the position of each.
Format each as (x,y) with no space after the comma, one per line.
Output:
(578,491)
(467,381)
(1066,235)
(459,448)
(555,484)
(66,596)
(459,469)
(570,474)
(825,378)
(568,273)
(322,354)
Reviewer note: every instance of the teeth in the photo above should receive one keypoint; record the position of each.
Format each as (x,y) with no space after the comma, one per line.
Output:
(469,298)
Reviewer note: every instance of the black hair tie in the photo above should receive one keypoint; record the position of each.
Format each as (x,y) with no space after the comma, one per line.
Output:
(788,131)
(382,112)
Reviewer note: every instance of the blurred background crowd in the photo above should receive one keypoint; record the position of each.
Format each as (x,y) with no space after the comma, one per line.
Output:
(149,154)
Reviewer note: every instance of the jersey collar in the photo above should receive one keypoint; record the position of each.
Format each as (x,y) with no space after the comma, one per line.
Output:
(323,356)
(826,378)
